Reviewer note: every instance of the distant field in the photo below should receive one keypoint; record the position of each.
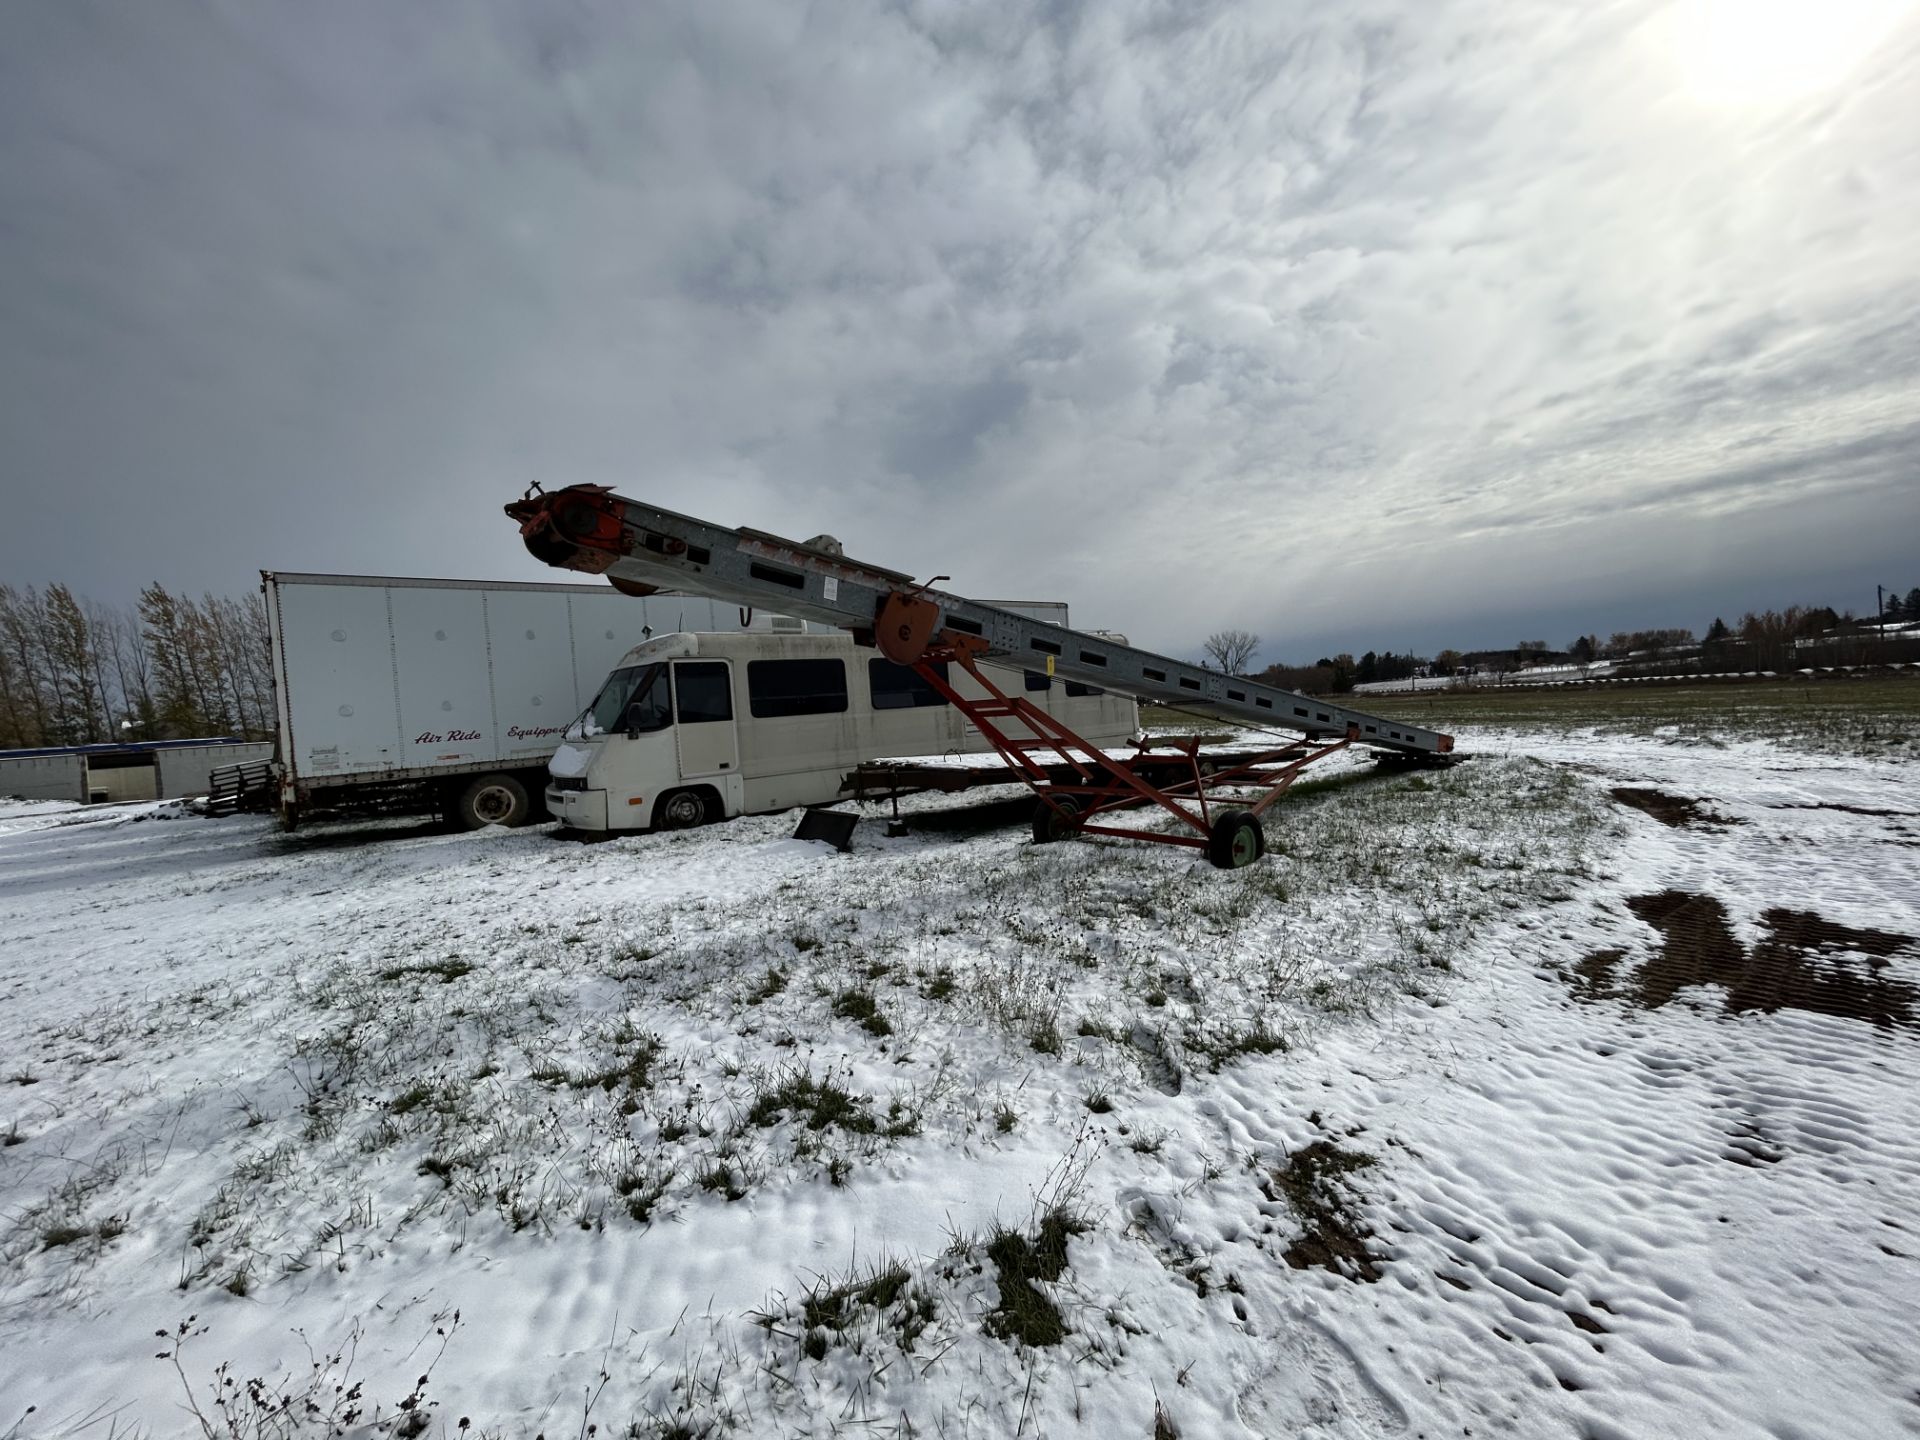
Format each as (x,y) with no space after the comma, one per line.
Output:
(1852,717)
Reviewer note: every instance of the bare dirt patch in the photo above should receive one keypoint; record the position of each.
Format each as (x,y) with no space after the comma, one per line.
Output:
(1803,962)
(1593,976)
(1674,810)
(1335,1238)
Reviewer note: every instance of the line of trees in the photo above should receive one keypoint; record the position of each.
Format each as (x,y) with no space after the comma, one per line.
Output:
(1896,608)
(1762,640)
(74,672)
(1765,639)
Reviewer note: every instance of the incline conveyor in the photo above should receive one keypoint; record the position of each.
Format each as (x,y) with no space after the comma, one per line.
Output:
(640,548)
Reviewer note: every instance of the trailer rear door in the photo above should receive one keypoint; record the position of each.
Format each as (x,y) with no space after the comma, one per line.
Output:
(340,660)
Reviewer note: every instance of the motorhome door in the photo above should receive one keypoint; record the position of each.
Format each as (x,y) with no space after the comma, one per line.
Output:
(703,712)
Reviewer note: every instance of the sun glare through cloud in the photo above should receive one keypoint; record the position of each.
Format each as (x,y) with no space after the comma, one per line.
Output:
(1768,52)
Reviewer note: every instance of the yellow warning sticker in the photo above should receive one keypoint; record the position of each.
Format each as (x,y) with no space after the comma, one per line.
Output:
(1049,667)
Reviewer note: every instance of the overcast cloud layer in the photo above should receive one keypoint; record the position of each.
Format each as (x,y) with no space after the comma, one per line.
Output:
(1356,324)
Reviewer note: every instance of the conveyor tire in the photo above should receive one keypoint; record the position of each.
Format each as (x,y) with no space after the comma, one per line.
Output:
(1049,824)
(1235,840)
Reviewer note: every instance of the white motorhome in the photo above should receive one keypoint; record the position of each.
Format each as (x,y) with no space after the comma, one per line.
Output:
(693,728)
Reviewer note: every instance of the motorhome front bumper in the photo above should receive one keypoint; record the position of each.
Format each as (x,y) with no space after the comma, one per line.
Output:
(580,809)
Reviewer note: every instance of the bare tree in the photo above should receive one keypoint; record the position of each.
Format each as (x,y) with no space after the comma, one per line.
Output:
(1232,650)
(236,633)
(23,680)
(167,625)
(68,644)
(132,670)
(99,622)
(217,641)
(256,658)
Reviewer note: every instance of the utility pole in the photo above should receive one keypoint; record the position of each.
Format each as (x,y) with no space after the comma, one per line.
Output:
(1879,612)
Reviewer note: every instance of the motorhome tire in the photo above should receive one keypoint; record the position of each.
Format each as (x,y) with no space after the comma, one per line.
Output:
(492,800)
(684,809)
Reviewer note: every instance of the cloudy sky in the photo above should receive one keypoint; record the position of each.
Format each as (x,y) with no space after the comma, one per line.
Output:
(1360,324)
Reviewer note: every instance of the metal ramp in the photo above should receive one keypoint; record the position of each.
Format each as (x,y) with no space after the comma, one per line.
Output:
(641,548)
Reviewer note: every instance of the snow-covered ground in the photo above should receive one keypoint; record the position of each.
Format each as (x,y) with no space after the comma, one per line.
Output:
(1407,1129)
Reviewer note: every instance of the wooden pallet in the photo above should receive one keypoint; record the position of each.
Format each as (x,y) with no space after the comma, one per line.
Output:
(247,786)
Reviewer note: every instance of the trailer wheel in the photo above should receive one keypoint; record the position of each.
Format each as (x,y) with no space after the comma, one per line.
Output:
(683,810)
(1235,840)
(1049,821)
(492,800)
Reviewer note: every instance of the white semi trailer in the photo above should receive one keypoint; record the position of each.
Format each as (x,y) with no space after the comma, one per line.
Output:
(463,686)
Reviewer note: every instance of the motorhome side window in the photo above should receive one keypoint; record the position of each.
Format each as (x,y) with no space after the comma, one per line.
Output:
(895,687)
(704,692)
(796,687)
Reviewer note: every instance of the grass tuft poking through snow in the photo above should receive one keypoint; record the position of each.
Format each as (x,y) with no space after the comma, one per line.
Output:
(795,1094)
(1023,1260)
(861,1007)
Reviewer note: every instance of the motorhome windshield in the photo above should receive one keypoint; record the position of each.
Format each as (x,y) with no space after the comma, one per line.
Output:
(635,697)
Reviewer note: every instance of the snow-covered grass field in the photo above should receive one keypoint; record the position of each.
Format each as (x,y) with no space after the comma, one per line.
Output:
(1424,1125)
(1876,717)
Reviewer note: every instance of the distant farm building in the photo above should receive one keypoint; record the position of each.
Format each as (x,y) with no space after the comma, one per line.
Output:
(115,774)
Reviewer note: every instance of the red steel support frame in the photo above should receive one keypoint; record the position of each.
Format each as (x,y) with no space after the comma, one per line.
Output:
(1108,784)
